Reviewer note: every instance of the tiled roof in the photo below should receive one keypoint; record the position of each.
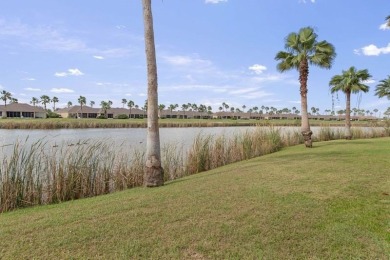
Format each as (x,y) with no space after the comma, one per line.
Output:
(21,107)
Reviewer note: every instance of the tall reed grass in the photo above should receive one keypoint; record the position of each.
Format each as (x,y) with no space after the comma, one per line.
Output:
(37,173)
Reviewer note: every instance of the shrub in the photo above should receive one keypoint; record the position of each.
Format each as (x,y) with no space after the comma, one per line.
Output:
(102,117)
(122,116)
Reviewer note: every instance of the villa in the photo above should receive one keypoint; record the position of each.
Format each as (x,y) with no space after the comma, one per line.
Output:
(21,110)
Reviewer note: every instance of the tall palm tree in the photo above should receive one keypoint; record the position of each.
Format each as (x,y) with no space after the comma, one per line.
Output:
(91,103)
(383,88)
(34,101)
(130,105)
(54,100)
(82,101)
(5,95)
(153,173)
(45,100)
(350,81)
(302,49)
(124,102)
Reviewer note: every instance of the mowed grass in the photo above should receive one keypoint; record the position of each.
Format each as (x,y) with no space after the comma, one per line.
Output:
(328,202)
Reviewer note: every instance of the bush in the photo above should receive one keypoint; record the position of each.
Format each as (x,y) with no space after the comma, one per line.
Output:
(122,116)
(102,117)
(51,114)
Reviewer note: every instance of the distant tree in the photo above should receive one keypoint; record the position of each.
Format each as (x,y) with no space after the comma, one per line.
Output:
(13,100)
(82,101)
(5,95)
(383,88)
(184,107)
(34,101)
(350,81)
(243,108)
(130,105)
(172,107)
(220,109)
(69,104)
(124,102)
(304,49)
(161,108)
(54,100)
(91,103)
(45,100)
(255,109)
(105,106)
(375,111)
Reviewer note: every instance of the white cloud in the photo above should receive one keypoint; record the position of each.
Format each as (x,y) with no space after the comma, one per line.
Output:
(242,91)
(32,89)
(29,79)
(257,68)
(373,50)
(70,72)
(1,86)
(75,72)
(142,95)
(128,95)
(369,81)
(98,57)
(61,90)
(384,27)
(305,1)
(214,1)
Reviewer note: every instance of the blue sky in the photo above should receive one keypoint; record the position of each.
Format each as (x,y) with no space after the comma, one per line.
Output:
(208,51)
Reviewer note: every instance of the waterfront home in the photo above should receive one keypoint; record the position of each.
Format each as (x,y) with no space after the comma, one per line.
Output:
(21,110)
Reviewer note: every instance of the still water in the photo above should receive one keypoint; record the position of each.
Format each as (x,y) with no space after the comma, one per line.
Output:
(129,137)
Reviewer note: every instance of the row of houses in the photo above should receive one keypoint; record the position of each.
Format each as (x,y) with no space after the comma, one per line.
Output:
(20,110)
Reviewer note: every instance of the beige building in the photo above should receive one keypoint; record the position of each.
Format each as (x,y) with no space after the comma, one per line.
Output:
(20,110)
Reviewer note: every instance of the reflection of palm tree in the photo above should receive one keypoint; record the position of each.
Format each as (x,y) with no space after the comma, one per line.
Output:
(304,49)
(350,81)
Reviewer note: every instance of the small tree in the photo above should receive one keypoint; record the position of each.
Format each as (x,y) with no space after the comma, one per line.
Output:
(54,100)
(350,81)
(82,101)
(45,100)
(5,95)
(130,105)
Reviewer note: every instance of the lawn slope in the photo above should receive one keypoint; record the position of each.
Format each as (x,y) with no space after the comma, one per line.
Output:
(328,202)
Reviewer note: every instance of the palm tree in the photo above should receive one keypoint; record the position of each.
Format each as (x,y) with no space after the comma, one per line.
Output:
(153,173)
(69,104)
(130,105)
(82,101)
(45,100)
(350,81)
(34,101)
(91,103)
(54,100)
(383,88)
(161,108)
(184,107)
(304,49)
(124,102)
(5,95)
(13,100)
(105,106)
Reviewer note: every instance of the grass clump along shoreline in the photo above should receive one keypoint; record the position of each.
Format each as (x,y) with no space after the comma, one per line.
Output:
(38,174)
(329,202)
(66,123)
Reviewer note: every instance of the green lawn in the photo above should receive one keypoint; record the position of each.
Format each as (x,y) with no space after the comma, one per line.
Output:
(328,202)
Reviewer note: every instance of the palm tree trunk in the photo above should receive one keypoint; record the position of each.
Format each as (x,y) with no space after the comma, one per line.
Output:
(153,172)
(305,127)
(348,133)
